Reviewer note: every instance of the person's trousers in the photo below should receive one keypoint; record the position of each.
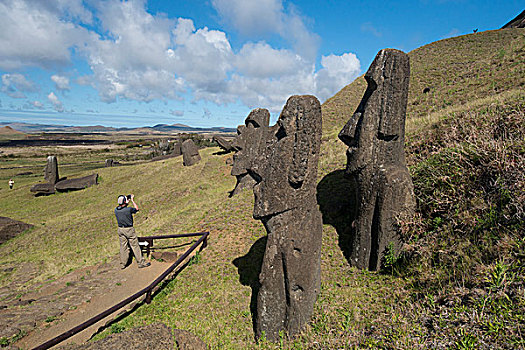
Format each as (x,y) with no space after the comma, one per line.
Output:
(128,238)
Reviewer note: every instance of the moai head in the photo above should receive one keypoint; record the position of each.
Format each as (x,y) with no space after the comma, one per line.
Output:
(375,133)
(190,153)
(248,140)
(286,167)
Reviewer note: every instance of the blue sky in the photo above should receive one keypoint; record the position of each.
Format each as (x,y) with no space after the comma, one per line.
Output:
(204,63)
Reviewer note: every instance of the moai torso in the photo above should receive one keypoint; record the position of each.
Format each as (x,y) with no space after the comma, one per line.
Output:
(51,170)
(285,201)
(376,159)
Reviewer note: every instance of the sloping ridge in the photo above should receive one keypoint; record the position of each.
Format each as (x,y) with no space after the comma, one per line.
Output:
(455,71)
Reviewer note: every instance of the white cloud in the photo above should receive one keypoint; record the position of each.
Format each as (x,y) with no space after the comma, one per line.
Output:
(37,104)
(261,18)
(61,82)
(252,17)
(337,72)
(145,57)
(261,60)
(33,105)
(176,112)
(14,85)
(33,34)
(57,104)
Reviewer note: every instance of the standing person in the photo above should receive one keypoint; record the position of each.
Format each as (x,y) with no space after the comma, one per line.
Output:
(126,231)
(11,183)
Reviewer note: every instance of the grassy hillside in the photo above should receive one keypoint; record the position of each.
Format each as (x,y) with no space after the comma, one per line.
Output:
(459,282)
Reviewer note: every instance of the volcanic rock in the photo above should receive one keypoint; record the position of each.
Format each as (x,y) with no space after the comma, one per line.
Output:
(224,144)
(248,143)
(190,153)
(376,163)
(285,169)
(177,149)
(51,170)
(77,183)
(43,188)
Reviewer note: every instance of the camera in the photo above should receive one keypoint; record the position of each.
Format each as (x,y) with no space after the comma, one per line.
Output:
(128,197)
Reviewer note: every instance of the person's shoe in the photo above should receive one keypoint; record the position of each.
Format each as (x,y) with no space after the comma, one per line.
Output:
(144,265)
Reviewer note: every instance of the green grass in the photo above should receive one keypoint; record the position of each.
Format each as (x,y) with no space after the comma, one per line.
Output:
(458,284)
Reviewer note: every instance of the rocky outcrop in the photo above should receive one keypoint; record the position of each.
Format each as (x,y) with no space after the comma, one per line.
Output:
(10,228)
(190,153)
(76,184)
(285,169)
(248,143)
(224,144)
(376,160)
(518,22)
(51,170)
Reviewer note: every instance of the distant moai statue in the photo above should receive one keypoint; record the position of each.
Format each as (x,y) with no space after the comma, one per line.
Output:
(51,170)
(375,136)
(285,201)
(224,144)
(109,163)
(177,149)
(190,153)
(250,138)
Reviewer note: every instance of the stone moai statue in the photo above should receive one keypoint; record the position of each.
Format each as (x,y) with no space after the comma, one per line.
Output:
(177,149)
(51,170)
(250,138)
(190,153)
(376,159)
(285,201)
(224,144)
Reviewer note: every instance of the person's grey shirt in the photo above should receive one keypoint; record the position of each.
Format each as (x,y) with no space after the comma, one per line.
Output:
(125,216)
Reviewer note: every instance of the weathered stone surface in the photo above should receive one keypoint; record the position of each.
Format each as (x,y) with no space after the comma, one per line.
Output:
(190,153)
(177,149)
(10,228)
(77,183)
(51,170)
(223,143)
(43,188)
(248,143)
(285,201)
(376,160)
(518,22)
(156,336)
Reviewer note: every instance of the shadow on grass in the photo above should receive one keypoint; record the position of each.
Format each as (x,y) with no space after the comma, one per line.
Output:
(337,199)
(249,268)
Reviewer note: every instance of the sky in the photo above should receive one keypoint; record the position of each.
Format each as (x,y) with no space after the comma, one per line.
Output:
(205,63)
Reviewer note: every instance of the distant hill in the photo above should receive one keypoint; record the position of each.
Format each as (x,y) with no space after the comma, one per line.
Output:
(38,128)
(7,130)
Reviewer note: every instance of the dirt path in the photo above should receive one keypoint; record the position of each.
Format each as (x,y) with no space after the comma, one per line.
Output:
(53,308)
